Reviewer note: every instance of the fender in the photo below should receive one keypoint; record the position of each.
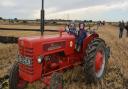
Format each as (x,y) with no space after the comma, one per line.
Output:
(88,39)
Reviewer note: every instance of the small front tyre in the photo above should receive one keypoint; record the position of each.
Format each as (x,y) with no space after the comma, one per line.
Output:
(56,81)
(15,82)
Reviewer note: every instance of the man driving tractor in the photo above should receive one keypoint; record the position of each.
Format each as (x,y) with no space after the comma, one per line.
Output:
(80,35)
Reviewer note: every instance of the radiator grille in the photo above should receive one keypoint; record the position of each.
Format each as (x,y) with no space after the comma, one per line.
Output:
(26,52)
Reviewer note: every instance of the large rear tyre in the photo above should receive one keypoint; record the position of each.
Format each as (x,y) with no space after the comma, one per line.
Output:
(15,82)
(95,60)
(56,81)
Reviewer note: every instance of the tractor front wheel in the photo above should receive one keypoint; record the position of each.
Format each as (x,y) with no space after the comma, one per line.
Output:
(56,81)
(15,82)
(95,60)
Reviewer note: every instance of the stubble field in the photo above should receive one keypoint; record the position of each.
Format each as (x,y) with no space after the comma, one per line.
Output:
(117,70)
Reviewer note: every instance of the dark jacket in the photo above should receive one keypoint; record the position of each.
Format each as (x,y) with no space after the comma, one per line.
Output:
(126,27)
(121,25)
(73,32)
(81,35)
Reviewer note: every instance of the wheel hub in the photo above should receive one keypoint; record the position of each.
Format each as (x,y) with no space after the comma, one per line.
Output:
(99,63)
(20,83)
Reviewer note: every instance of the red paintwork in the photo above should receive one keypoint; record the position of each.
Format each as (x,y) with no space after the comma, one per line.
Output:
(99,61)
(34,47)
(21,84)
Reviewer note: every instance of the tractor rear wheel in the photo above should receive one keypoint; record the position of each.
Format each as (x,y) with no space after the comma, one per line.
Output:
(15,82)
(95,60)
(56,81)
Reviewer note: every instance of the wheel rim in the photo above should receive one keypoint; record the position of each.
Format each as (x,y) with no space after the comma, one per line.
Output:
(20,83)
(60,85)
(99,63)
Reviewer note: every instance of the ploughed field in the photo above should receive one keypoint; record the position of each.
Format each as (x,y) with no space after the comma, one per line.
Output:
(116,76)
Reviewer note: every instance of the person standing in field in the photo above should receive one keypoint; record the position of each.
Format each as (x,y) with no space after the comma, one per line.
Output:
(121,28)
(126,27)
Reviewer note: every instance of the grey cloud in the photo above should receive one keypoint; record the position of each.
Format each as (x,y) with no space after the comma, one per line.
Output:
(25,8)
(75,4)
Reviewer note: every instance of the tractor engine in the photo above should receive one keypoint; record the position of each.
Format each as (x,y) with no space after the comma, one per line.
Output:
(40,55)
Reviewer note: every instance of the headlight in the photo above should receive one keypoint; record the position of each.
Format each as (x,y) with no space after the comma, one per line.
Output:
(40,59)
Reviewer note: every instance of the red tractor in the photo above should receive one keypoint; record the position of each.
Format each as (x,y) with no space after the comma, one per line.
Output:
(46,58)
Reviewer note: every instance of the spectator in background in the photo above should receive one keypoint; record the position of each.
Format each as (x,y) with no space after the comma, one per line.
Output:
(126,27)
(121,28)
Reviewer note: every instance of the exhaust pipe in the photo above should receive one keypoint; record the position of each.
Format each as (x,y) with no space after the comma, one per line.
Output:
(42,23)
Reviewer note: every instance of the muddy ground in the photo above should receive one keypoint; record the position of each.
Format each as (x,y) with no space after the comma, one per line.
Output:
(117,70)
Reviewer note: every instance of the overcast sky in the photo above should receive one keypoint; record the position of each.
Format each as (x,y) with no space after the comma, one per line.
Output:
(110,10)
